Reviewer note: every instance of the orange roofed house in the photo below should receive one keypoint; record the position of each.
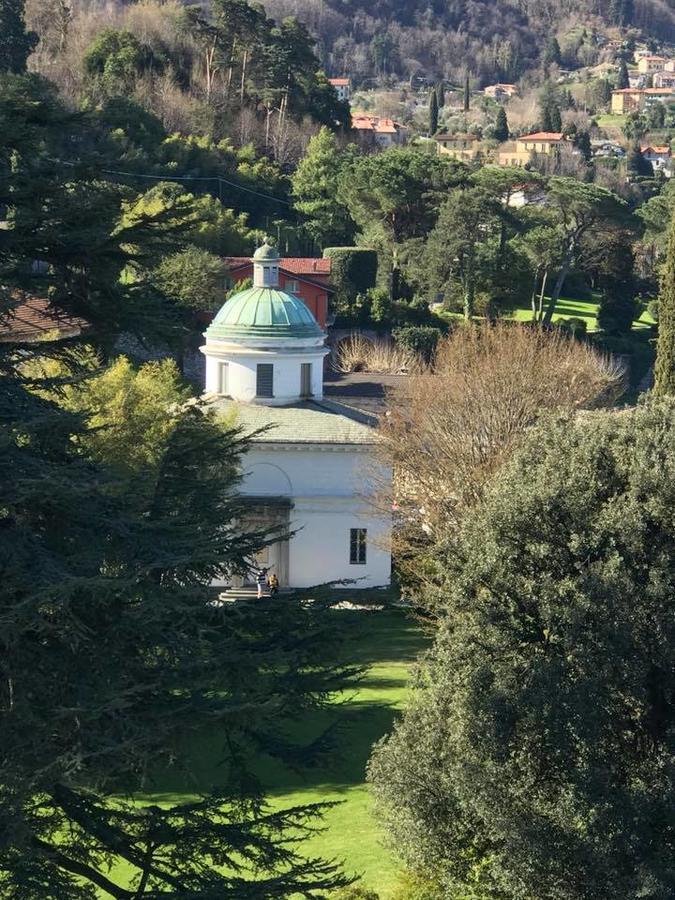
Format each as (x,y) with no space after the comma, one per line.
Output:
(378,129)
(305,277)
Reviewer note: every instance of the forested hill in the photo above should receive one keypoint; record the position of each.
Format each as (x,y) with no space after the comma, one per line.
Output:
(491,38)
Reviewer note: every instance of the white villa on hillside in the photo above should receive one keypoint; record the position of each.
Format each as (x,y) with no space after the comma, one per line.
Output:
(309,472)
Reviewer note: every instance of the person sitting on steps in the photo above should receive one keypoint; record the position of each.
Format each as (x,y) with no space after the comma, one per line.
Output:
(273,585)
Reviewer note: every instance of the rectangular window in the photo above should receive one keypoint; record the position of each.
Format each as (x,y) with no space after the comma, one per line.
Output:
(291,286)
(224,380)
(264,380)
(305,379)
(357,546)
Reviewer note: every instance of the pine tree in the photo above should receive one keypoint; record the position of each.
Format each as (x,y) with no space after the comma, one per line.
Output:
(433,113)
(664,368)
(501,125)
(112,652)
(16,44)
(467,93)
(622,78)
(314,184)
(552,53)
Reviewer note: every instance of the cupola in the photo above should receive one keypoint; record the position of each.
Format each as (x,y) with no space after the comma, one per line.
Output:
(264,346)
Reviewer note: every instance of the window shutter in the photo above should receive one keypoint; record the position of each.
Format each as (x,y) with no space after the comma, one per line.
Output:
(305,379)
(265,380)
(224,379)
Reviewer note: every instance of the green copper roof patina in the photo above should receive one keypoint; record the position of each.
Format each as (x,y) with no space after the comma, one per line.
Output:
(263,312)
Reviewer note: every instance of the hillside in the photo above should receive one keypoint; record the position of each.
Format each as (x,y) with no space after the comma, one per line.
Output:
(494,39)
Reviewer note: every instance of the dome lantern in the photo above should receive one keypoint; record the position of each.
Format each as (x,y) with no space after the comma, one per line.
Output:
(266,265)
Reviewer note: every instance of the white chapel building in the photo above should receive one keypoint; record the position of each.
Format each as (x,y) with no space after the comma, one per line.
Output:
(309,471)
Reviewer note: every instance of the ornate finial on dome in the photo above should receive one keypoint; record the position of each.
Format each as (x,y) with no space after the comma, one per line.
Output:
(266,265)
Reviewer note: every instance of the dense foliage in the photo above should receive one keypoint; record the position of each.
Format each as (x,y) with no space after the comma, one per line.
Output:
(537,757)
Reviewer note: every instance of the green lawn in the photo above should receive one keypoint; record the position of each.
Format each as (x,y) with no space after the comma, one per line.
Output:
(566,308)
(387,642)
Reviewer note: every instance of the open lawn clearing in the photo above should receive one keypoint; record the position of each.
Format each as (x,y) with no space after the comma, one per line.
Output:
(387,642)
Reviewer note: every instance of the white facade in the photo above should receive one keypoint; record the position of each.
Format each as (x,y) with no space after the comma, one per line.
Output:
(327,487)
(309,474)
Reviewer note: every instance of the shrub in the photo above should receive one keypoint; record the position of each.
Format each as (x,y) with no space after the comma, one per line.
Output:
(359,354)
(573,325)
(420,340)
(617,312)
(353,272)
(355,892)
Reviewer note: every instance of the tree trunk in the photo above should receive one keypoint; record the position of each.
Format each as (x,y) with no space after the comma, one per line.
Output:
(540,308)
(560,280)
(242,87)
(469,287)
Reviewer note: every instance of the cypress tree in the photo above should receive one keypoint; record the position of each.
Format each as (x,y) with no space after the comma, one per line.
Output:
(664,368)
(440,94)
(555,117)
(433,113)
(622,78)
(552,53)
(467,93)
(501,125)
(16,44)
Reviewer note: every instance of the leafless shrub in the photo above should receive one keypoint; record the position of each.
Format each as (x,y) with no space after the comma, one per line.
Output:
(359,354)
(447,431)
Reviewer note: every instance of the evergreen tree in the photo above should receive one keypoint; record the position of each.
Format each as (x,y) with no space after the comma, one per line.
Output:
(555,117)
(16,44)
(314,185)
(440,94)
(621,12)
(552,53)
(433,113)
(664,368)
(467,93)
(582,142)
(622,78)
(501,125)
(637,165)
(536,759)
(112,652)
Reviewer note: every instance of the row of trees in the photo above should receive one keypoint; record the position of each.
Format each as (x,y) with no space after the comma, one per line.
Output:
(447,228)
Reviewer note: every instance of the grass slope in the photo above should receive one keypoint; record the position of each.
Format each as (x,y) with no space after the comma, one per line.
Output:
(387,642)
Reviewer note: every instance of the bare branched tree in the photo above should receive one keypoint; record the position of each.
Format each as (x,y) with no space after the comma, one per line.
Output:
(447,430)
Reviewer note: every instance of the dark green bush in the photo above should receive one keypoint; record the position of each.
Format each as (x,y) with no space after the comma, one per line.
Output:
(353,272)
(617,312)
(420,339)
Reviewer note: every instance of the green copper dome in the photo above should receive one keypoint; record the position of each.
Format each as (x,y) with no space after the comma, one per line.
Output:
(260,312)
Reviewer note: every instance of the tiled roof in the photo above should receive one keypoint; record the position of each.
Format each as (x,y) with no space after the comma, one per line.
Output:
(338,81)
(308,422)
(32,319)
(650,149)
(378,124)
(293,265)
(643,91)
(542,136)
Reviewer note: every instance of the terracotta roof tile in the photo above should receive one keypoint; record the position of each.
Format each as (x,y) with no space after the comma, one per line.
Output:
(542,136)
(32,318)
(295,265)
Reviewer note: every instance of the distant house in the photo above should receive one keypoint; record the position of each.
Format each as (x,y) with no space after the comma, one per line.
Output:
(379,130)
(32,319)
(305,277)
(626,100)
(658,156)
(343,88)
(517,153)
(465,147)
(649,65)
(669,66)
(500,91)
(641,54)
(664,80)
